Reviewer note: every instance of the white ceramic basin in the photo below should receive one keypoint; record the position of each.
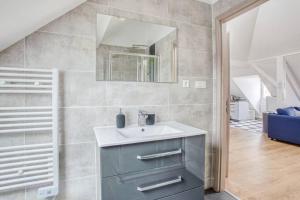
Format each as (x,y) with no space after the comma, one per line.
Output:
(148,131)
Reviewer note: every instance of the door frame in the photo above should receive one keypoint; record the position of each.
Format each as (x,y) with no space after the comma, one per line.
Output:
(222,100)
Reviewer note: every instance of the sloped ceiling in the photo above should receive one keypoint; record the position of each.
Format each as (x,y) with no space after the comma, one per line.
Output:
(19,18)
(274,31)
(271,30)
(294,65)
(277,29)
(241,33)
(269,67)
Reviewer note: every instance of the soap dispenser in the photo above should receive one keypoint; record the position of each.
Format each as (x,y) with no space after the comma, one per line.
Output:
(120,120)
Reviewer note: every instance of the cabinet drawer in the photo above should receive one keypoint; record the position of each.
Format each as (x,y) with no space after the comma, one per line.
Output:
(194,194)
(149,185)
(140,157)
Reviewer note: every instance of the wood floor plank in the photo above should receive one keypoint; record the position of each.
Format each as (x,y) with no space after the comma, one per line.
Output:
(262,169)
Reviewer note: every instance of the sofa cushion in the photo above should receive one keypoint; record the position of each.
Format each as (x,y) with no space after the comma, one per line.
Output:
(297,110)
(290,111)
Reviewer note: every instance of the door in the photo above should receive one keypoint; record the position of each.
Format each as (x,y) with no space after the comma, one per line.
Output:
(225,102)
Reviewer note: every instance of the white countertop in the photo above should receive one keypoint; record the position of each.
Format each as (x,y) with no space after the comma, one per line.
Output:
(109,136)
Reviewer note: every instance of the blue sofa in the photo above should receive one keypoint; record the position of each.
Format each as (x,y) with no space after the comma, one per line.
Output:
(285,125)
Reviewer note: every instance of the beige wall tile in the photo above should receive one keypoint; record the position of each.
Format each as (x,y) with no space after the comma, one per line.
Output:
(106,10)
(194,115)
(13,56)
(44,50)
(194,62)
(125,93)
(190,11)
(75,189)
(191,95)
(79,22)
(77,124)
(194,37)
(82,89)
(78,189)
(147,7)
(77,160)
(222,6)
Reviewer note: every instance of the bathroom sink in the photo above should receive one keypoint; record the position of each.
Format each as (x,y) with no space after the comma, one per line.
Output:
(148,131)
(111,136)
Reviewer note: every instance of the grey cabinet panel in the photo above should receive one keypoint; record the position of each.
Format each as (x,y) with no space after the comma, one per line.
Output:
(123,159)
(124,187)
(109,161)
(195,155)
(167,145)
(124,176)
(194,194)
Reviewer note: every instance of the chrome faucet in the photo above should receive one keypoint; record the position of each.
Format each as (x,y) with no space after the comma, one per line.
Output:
(142,116)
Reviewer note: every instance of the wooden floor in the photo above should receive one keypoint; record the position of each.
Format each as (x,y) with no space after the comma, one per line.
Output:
(262,169)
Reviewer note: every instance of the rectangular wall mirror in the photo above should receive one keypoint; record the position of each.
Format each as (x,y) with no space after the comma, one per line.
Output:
(132,50)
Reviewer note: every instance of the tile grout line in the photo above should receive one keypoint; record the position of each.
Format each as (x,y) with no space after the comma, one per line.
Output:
(78,178)
(168,18)
(133,106)
(80,143)
(68,35)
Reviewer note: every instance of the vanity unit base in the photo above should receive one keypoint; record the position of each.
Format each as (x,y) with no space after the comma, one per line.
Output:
(164,169)
(150,185)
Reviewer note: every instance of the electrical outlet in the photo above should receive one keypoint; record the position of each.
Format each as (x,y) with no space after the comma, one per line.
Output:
(185,83)
(200,84)
(46,192)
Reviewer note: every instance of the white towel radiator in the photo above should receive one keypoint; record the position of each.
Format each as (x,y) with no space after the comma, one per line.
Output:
(37,164)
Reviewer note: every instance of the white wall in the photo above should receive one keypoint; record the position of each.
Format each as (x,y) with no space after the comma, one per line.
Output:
(21,18)
(294,64)
(291,98)
(266,32)
(277,29)
(237,69)
(241,33)
(251,87)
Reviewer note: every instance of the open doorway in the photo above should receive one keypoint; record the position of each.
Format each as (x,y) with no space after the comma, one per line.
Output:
(260,58)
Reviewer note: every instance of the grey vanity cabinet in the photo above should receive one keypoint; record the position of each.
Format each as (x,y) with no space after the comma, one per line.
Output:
(140,186)
(167,170)
(123,159)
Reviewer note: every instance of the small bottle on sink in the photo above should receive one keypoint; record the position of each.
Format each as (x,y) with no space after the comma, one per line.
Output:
(120,119)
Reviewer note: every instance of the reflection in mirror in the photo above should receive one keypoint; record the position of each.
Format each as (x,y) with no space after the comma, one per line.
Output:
(131,50)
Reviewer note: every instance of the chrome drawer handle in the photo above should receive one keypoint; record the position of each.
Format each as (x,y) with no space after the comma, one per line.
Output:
(159,155)
(159,185)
